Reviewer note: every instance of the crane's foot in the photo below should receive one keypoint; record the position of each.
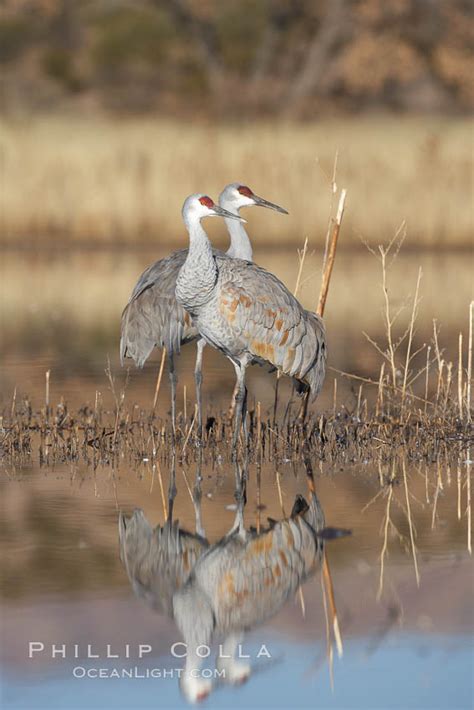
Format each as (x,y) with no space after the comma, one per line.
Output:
(235,672)
(195,690)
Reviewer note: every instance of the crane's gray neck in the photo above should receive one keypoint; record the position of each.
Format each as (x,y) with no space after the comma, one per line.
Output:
(240,245)
(198,275)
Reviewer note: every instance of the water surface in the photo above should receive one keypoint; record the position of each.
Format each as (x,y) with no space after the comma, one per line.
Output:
(64,584)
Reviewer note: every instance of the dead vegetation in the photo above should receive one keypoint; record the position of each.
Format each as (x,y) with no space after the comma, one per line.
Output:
(102,182)
(388,417)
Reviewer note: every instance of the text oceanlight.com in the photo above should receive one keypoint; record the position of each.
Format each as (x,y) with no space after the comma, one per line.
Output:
(136,672)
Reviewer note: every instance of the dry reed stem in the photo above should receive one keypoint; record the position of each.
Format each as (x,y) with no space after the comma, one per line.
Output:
(187,485)
(46,394)
(458,478)
(410,338)
(410,524)
(379,403)
(158,380)
(259,459)
(301,260)
(388,319)
(440,382)
(331,255)
(259,499)
(468,493)
(332,182)
(162,491)
(359,396)
(302,602)
(427,375)
(259,430)
(448,387)
(13,407)
(299,592)
(435,505)
(376,496)
(385,542)
(469,363)
(350,375)
(190,429)
(332,604)
(329,648)
(280,495)
(389,356)
(460,402)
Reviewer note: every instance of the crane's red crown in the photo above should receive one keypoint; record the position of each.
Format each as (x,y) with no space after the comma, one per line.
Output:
(244,190)
(206,201)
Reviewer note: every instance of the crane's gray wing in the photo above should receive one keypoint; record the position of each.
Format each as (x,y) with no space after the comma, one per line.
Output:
(158,562)
(153,317)
(258,306)
(246,581)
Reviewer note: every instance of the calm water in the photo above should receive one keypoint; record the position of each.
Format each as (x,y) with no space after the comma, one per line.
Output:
(409,646)
(61,312)
(407,642)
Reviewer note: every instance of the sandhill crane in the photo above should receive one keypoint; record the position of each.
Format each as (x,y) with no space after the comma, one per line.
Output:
(247,313)
(152,316)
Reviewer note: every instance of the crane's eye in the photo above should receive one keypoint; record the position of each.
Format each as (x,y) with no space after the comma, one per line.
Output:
(206,201)
(244,190)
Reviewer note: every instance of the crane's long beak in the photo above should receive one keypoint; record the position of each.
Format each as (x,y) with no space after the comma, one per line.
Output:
(260,202)
(221,212)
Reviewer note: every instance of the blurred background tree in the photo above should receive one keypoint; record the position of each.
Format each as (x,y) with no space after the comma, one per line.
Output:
(235,58)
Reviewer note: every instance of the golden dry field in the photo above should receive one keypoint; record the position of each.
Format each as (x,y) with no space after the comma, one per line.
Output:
(94,181)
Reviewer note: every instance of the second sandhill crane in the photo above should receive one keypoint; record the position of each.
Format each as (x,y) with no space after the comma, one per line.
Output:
(152,318)
(247,313)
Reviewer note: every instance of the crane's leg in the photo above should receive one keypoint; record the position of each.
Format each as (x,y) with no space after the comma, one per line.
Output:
(172,490)
(194,618)
(240,403)
(240,495)
(198,379)
(197,495)
(235,672)
(173,381)
(303,412)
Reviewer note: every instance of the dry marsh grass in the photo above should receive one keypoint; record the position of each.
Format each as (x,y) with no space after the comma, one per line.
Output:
(103,181)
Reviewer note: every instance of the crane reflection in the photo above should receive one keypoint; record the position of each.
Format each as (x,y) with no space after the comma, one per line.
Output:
(216,593)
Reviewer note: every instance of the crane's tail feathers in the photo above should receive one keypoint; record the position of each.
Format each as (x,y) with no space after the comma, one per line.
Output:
(312,512)
(314,376)
(137,336)
(133,532)
(138,352)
